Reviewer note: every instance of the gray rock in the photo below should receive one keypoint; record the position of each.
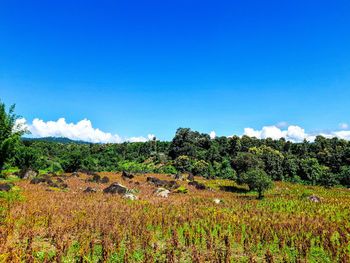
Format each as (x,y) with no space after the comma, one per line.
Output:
(28,173)
(115,188)
(90,190)
(217,201)
(315,199)
(130,196)
(162,192)
(179,177)
(5,187)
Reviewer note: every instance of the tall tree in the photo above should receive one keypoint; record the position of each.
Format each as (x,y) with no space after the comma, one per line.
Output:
(9,133)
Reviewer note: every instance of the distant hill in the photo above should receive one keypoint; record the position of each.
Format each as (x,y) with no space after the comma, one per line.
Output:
(63,140)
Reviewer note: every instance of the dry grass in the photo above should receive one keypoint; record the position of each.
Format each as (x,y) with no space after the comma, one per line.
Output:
(72,226)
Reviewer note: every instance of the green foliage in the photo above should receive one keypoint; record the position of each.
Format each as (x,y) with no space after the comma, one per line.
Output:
(245,161)
(72,162)
(311,170)
(200,168)
(9,133)
(27,157)
(257,180)
(183,164)
(272,160)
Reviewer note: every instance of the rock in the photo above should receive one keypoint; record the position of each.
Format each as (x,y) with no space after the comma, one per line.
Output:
(217,201)
(5,187)
(85,171)
(162,192)
(129,196)
(314,198)
(126,175)
(179,177)
(162,183)
(115,188)
(90,190)
(198,185)
(76,175)
(63,186)
(132,191)
(105,180)
(59,180)
(52,173)
(44,180)
(190,177)
(27,173)
(96,178)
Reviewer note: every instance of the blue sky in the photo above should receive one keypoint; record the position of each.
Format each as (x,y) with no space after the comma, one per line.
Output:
(148,67)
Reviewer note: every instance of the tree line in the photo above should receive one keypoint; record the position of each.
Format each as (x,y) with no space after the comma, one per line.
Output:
(322,162)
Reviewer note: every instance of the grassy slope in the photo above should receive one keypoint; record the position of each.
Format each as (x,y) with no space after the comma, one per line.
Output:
(183,228)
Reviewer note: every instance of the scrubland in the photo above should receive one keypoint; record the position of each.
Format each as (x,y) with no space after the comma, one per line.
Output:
(43,224)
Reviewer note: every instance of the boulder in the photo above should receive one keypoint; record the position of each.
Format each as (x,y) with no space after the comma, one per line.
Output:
(180,177)
(190,177)
(90,190)
(130,196)
(63,186)
(127,175)
(217,201)
(5,187)
(315,199)
(115,188)
(59,180)
(198,185)
(27,173)
(162,183)
(105,180)
(44,180)
(162,192)
(85,171)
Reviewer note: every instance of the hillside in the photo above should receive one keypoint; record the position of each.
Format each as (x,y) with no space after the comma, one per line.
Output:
(55,139)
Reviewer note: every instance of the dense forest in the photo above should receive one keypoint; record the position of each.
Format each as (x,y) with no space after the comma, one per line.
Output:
(323,162)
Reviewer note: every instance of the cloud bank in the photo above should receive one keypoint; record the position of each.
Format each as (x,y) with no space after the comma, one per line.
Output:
(293,133)
(81,130)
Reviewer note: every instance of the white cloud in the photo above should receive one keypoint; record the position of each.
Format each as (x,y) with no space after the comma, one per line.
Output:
(343,126)
(82,130)
(212,134)
(292,133)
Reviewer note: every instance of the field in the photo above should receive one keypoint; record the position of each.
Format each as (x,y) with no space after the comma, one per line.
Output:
(71,226)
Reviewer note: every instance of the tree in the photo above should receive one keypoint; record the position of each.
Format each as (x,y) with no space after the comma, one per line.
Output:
(244,162)
(272,159)
(311,169)
(9,133)
(200,168)
(257,180)
(27,157)
(72,161)
(344,176)
(183,164)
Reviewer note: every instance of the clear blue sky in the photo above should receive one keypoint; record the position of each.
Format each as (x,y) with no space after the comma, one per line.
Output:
(139,67)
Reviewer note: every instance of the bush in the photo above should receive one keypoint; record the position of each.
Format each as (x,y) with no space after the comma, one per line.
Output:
(257,180)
